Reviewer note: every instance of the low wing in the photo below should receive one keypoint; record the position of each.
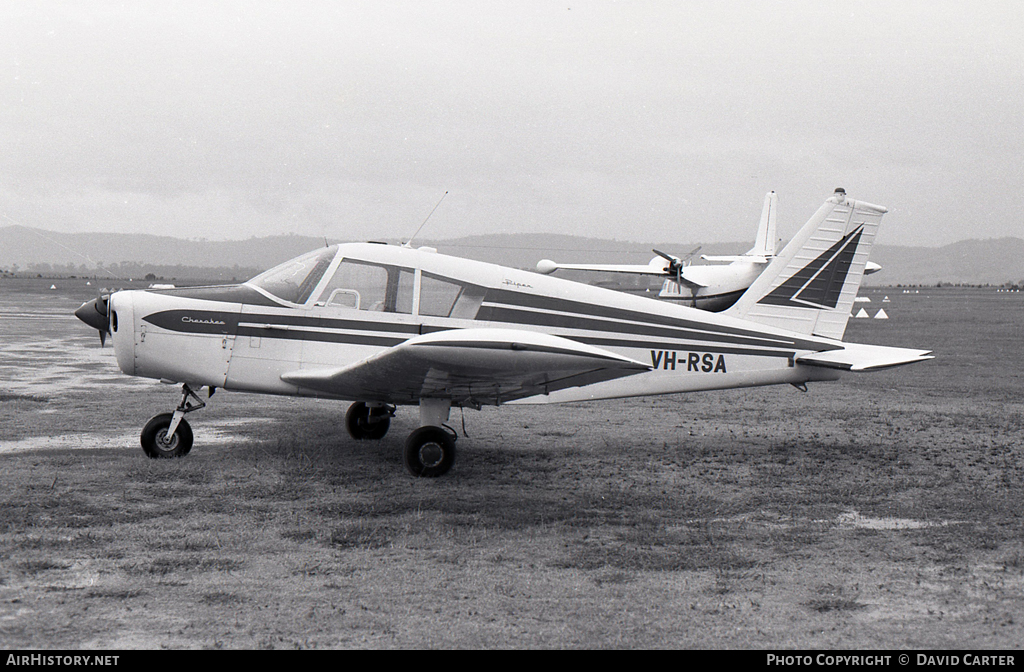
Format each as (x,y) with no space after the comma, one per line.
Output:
(657,266)
(750,258)
(860,357)
(692,284)
(474,366)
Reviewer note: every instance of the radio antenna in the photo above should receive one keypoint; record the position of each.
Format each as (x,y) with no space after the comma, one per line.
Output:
(408,243)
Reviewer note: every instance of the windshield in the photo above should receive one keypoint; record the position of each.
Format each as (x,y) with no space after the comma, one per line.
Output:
(294,280)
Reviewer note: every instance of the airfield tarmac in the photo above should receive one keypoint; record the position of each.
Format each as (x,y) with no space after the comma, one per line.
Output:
(880,511)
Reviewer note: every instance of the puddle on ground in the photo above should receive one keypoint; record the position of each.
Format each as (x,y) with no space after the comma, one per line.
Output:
(49,367)
(855,520)
(206,434)
(845,520)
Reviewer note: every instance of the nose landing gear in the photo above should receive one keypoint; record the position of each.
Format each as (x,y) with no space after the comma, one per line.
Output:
(158,441)
(167,434)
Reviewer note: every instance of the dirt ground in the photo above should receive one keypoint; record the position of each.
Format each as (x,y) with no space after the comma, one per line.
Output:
(880,511)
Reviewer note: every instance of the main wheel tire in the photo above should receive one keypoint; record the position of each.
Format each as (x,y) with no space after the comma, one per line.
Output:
(429,452)
(154,438)
(361,426)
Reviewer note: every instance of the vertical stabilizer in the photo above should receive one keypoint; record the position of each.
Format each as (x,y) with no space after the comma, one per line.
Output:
(810,287)
(764,244)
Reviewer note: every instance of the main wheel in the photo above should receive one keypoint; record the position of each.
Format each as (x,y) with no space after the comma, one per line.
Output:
(364,422)
(430,452)
(154,438)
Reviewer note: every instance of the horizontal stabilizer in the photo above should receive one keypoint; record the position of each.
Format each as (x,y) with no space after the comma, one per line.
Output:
(860,357)
(479,366)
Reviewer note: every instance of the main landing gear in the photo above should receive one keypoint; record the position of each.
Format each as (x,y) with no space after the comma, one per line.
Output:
(369,421)
(167,434)
(429,450)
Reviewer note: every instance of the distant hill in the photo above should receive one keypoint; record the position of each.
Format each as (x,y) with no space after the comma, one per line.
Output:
(83,253)
(994,261)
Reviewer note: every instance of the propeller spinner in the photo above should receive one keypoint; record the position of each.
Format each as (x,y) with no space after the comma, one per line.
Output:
(96,314)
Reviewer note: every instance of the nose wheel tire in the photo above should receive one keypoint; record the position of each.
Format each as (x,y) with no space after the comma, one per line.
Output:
(429,452)
(155,442)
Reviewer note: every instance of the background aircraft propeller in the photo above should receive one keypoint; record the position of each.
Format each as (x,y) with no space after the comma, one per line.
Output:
(676,264)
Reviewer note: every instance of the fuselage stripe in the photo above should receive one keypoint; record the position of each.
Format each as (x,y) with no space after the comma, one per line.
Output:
(562,320)
(504,299)
(387,341)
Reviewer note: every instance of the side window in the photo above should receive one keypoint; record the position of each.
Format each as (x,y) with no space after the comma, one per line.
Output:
(401,284)
(442,297)
(437,296)
(361,286)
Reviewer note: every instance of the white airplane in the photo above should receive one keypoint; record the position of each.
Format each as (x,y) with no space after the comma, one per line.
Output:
(386,326)
(707,287)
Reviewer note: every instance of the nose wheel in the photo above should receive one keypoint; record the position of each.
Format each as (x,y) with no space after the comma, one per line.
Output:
(157,442)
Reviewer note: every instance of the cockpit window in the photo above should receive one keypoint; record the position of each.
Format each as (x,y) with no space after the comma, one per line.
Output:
(295,280)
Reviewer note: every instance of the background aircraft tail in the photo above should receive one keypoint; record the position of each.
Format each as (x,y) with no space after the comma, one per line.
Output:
(764,244)
(810,287)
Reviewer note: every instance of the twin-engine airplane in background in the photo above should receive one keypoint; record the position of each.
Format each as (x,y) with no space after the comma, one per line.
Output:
(386,326)
(707,287)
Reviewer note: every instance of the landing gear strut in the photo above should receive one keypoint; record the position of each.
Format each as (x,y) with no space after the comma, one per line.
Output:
(167,434)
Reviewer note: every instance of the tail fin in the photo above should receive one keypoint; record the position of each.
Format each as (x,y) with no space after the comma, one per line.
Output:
(809,288)
(764,244)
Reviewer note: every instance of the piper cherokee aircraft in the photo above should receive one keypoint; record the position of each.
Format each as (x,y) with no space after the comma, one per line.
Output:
(385,326)
(707,287)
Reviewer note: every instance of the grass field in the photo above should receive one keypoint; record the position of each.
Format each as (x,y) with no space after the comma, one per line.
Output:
(880,511)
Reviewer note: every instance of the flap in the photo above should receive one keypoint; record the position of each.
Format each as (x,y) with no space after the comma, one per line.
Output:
(477,366)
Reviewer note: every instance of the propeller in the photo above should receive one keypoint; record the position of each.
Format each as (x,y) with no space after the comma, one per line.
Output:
(96,314)
(677,264)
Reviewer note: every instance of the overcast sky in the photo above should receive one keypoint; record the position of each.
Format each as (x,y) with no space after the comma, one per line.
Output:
(641,121)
